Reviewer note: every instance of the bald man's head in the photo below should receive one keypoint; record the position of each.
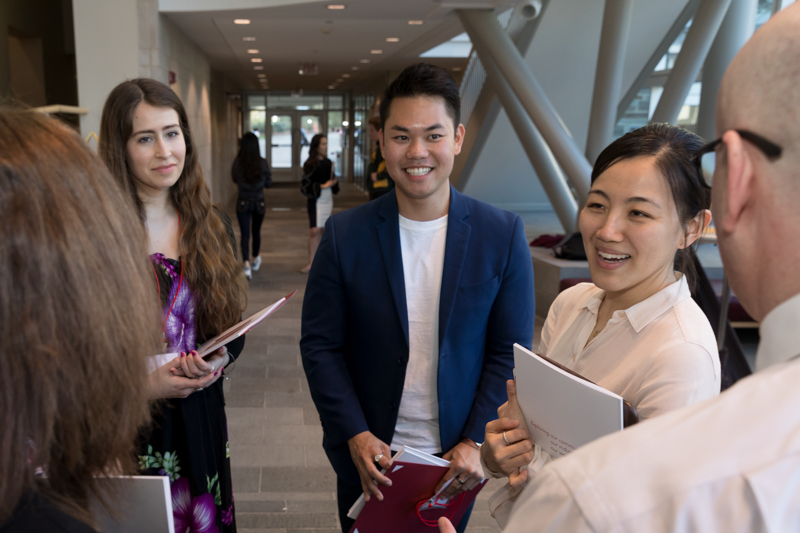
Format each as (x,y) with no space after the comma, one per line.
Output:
(761,88)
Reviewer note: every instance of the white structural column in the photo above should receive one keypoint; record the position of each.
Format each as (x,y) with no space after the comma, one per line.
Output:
(486,33)
(695,47)
(608,76)
(737,27)
(540,155)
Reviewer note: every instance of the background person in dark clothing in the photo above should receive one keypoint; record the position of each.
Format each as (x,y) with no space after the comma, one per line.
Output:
(252,174)
(380,182)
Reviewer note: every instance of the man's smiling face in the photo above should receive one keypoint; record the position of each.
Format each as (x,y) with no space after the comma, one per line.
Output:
(419,143)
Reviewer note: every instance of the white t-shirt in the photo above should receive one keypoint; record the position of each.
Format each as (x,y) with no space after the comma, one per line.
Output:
(422,248)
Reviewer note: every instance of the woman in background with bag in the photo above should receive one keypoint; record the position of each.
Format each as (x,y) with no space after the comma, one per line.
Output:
(319,185)
(251,173)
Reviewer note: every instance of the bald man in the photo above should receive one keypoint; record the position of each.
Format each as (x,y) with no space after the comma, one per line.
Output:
(731,463)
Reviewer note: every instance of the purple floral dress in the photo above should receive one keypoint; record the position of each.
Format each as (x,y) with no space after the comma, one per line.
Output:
(189,437)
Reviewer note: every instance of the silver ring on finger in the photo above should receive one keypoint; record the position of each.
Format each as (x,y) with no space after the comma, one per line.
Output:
(198,389)
(459,480)
(378,458)
(506,439)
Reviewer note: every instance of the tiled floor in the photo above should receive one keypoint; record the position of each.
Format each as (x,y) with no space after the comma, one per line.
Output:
(283,482)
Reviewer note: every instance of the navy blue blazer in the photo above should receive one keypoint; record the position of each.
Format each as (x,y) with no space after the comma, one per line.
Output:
(354,340)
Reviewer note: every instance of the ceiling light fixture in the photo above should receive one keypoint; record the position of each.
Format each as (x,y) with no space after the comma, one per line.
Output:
(392,39)
(345,75)
(353,68)
(336,6)
(365,61)
(339,80)
(248,38)
(331,87)
(256,60)
(456,69)
(376,51)
(415,22)
(241,21)
(261,75)
(258,67)
(252,51)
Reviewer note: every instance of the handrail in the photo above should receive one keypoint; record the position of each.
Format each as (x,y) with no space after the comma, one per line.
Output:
(70,109)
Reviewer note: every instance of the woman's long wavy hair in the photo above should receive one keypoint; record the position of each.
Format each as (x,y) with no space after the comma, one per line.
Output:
(209,260)
(313,153)
(673,148)
(249,158)
(77,317)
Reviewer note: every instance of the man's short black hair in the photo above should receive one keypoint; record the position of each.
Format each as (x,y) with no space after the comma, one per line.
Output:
(424,79)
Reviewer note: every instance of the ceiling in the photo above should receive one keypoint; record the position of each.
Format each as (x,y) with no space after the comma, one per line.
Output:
(338,42)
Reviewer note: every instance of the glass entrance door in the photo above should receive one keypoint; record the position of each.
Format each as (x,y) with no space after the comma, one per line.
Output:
(291,133)
(281,156)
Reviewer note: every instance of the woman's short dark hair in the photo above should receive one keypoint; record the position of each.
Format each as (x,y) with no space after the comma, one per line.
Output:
(249,157)
(672,147)
(424,79)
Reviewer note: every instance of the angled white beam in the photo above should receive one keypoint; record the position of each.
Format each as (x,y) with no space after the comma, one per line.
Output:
(485,31)
(737,27)
(647,70)
(695,48)
(608,77)
(542,159)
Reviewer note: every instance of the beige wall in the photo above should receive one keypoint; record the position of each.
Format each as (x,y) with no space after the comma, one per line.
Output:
(106,53)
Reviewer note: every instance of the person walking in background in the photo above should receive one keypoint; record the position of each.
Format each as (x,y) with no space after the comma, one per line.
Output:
(146,142)
(76,323)
(252,175)
(380,182)
(319,169)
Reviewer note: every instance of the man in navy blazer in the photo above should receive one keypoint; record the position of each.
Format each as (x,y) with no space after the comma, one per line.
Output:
(413,304)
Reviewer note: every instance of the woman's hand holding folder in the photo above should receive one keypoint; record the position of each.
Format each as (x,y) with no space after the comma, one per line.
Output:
(508,447)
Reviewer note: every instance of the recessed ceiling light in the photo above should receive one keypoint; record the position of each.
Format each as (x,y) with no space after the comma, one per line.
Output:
(248,38)
(392,40)
(252,51)
(331,87)
(261,75)
(241,21)
(353,68)
(345,75)
(258,67)
(256,60)
(336,6)
(415,22)
(339,80)
(376,51)
(365,61)
(456,69)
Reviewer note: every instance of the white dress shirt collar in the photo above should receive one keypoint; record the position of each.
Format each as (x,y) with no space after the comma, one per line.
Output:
(780,334)
(641,314)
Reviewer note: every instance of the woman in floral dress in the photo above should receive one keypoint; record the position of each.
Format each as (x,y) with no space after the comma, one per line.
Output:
(146,142)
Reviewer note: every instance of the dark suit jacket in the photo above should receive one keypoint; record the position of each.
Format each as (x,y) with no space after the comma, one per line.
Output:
(355,324)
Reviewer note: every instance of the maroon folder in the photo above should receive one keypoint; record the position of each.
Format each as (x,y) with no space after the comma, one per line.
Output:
(411,484)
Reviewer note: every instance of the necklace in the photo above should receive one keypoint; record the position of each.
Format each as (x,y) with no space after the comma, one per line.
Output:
(175,298)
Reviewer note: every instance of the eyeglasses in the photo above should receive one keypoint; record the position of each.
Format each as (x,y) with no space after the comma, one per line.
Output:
(705,158)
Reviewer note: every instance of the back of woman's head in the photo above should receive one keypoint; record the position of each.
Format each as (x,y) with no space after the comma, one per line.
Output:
(313,153)
(78,314)
(209,260)
(672,147)
(249,158)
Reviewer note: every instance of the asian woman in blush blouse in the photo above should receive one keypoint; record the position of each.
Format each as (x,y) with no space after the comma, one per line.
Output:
(635,330)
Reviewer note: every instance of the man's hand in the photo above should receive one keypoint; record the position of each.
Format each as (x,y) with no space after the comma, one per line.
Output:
(504,457)
(364,447)
(465,467)
(445,526)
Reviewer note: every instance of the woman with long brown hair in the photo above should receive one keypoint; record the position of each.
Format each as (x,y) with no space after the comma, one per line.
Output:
(320,170)
(146,142)
(75,323)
